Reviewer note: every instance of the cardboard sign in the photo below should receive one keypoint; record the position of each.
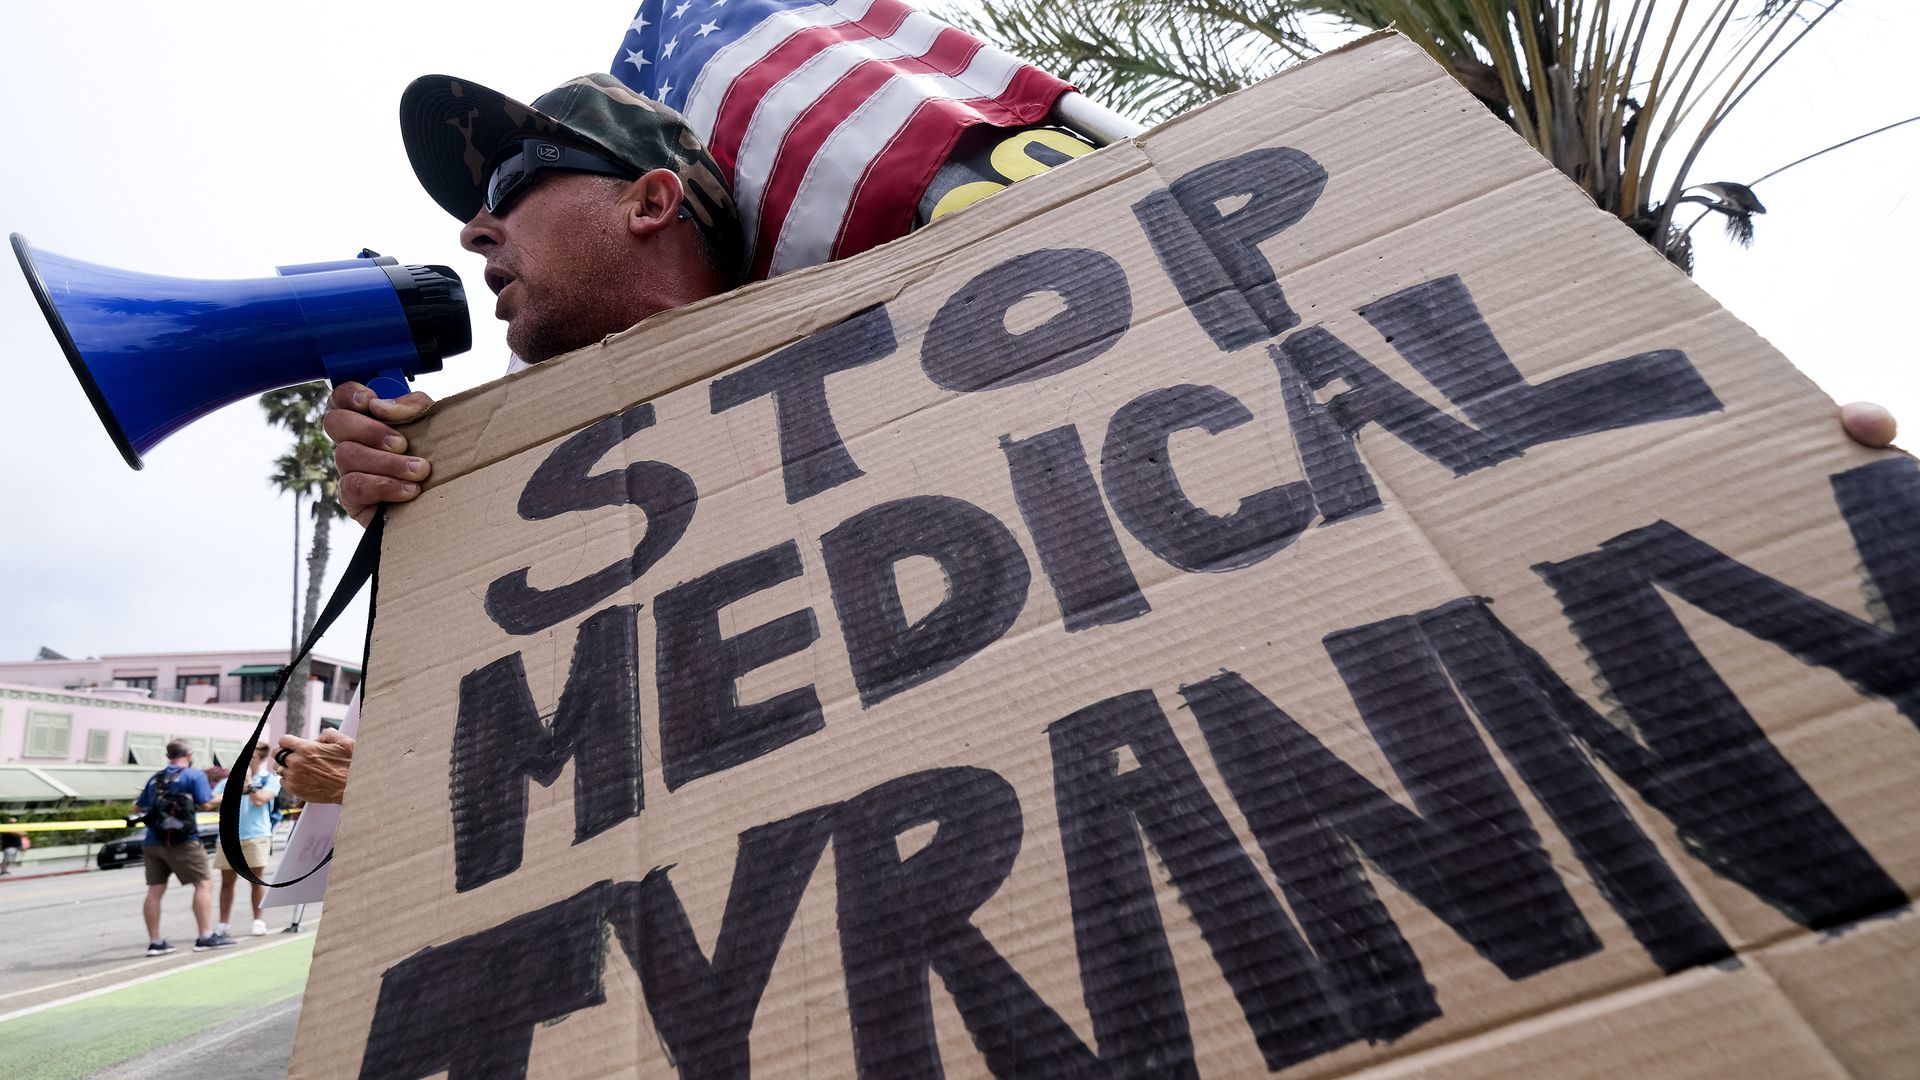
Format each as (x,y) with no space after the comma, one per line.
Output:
(1300,592)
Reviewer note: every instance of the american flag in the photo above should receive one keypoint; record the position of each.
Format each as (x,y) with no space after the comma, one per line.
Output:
(829,118)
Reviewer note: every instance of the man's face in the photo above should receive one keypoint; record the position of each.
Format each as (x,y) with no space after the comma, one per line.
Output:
(557,261)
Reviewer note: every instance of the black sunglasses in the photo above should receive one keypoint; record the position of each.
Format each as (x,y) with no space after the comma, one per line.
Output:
(513,174)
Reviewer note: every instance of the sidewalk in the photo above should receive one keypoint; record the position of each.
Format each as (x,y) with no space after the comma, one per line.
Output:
(60,860)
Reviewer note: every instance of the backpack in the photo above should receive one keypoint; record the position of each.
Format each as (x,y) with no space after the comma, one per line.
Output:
(173,812)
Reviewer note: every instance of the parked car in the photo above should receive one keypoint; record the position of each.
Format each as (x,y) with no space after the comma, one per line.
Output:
(130,850)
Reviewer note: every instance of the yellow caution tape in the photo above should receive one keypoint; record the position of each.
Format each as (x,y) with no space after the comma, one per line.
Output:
(208,818)
(63,826)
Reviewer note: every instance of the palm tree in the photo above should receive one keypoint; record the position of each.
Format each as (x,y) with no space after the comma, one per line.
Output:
(1621,95)
(306,470)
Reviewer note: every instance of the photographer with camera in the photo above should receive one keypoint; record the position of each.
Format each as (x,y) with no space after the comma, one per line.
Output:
(256,844)
(169,806)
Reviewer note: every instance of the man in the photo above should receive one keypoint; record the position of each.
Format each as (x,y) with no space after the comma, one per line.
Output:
(256,844)
(574,253)
(11,844)
(594,208)
(173,847)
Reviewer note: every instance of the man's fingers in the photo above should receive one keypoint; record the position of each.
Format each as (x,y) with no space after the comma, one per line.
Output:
(295,743)
(408,406)
(1868,424)
(353,458)
(362,491)
(369,477)
(355,397)
(346,394)
(346,426)
(320,771)
(370,456)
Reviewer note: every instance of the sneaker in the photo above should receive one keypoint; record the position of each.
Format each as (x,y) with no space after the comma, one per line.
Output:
(158,948)
(222,929)
(214,940)
(259,928)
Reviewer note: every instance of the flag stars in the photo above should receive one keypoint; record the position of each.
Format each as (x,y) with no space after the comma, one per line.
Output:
(665,89)
(708,28)
(637,58)
(682,8)
(667,49)
(639,22)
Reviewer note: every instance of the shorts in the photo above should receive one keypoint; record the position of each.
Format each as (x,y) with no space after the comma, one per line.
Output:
(186,860)
(9,856)
(257,849)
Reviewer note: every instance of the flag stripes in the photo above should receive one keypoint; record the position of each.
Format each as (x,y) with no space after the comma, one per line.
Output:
(830,117)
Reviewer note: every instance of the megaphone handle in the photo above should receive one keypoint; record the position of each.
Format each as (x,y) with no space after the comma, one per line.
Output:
(390,383)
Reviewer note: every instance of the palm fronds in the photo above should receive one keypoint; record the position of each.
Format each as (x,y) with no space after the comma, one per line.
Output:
(1610,91)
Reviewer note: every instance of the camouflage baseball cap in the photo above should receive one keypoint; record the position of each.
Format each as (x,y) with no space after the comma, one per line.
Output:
(452,127)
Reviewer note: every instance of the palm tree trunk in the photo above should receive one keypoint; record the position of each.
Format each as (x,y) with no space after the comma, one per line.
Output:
(317,555)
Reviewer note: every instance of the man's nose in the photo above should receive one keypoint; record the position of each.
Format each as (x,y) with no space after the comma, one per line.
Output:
(480,233)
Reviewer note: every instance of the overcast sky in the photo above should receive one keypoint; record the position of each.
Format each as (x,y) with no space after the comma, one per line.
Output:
(220,140)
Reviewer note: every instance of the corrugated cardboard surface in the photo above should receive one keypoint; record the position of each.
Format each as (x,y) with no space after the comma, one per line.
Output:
(1237,817)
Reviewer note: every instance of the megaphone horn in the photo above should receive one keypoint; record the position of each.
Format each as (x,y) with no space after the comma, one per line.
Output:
(156,353)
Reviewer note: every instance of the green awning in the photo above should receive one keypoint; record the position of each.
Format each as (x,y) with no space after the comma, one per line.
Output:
(22,783)
(99,781)
(256,669)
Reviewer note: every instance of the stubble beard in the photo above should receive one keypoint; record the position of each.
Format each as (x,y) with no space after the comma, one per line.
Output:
(561,313)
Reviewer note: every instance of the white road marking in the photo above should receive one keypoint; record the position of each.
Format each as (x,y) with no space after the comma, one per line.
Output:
(229,954)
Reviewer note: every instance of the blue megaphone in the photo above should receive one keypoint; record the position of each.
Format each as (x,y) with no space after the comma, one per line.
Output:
(156,353)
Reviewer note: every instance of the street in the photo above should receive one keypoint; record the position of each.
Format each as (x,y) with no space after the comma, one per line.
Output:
(79,997)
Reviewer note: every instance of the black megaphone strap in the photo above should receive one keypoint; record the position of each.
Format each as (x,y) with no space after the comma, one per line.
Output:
(362,568)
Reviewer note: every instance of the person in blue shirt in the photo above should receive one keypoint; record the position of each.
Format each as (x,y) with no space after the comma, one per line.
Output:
(256,843)
(173,847)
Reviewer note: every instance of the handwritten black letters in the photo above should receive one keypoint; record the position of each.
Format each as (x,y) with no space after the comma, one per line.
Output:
(1320,965)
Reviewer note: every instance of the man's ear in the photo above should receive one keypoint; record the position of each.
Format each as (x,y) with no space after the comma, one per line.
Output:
(653,201)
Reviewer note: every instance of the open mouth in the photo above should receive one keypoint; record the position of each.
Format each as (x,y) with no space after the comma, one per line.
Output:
(498,280)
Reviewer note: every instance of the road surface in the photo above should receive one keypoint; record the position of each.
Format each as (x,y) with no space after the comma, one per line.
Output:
(79,997)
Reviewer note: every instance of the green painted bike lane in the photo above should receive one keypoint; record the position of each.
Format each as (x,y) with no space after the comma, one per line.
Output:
(82,1037)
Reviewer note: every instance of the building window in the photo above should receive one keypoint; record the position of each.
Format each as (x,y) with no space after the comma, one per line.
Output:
(97,741)
(202,747)
(227,752)
(137,682)
(49,735)
(148,750)
(257,687)
(181,682)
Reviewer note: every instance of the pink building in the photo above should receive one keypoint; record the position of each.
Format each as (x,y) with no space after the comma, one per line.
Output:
(122,710)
